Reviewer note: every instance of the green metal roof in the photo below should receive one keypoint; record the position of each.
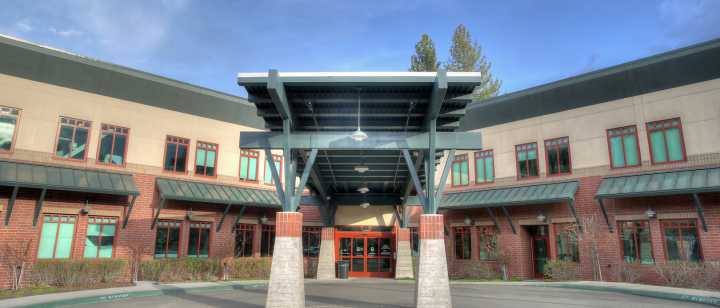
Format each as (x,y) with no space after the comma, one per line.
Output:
(675,68)
(674,182)
(48,65)
(216,193)
(509,196)
(67,179)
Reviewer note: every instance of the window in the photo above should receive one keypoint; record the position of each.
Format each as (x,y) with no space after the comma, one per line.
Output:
(244,240)
(624,147)
(199,240)
(463,248)
(527,162)
(72,139)
(681,240)
(167,240)
(100,237)
(311,241)
(267,240)
(268,179)
(56,237)
(8,125)
(666,141)
(487,240)
(414,241)
(206,158)
(248,165)
(460,176)
(176,154)
(484,170)
(567,243)
(557,153)
(636,242)
(113,145)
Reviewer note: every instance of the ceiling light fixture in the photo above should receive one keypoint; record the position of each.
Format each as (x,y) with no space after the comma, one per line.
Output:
(364,205)
(362,168)
(363,190)
(359,135)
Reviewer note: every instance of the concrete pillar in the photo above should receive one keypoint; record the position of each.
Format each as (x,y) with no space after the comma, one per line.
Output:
(286,288)
(432,287)
(326,259)
(403,262)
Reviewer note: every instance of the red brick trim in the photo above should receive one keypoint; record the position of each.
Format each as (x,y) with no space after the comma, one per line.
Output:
(288,224)
(431,227)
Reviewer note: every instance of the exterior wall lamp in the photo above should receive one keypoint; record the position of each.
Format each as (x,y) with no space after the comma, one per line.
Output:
(541,217)
(650,213)
(263,219)
(468,221)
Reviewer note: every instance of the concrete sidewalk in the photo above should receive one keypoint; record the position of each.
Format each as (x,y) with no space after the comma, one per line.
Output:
(148,289)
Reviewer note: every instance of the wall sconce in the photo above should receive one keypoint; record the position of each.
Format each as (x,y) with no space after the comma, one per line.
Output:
(468,221)
(188,214)
(84,210)
(650,213)
(263,219)
(541,217)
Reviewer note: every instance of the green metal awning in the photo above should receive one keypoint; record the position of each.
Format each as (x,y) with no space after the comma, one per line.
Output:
(675,182)
(216,193)
(26,175)
(509,196)
(661,183)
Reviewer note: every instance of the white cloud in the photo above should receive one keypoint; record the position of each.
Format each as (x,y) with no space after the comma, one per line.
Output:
(23,25)
(66,33)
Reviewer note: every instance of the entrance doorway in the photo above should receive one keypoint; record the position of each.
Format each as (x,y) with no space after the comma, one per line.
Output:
(371,252)
(539,249)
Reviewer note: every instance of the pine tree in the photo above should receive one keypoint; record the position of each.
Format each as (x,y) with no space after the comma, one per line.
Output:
(466,56)
(424,59)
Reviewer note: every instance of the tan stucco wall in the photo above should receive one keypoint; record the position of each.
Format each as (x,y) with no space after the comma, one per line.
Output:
(371,216)
(697,105)
(43,104)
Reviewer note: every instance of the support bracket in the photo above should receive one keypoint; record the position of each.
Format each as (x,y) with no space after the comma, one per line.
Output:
(11,203)
(700,212)
(304,177)
(38,206)
(509,219)
(571,205)
(493,218)
(222,219)
(129,210)
(157,214)
(275,175)
(237,218)
(415,178)
(605,214)
(446,171)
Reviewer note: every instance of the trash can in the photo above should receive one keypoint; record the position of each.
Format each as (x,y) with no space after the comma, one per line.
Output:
(343,267)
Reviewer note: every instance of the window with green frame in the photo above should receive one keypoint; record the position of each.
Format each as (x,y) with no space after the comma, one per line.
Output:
(206,158)
(72,139)
(248,165)
(666,141)
(681,240)
(8,126)
(484,170)
(527,160)
(636,242)
(100,237)
(460,171)
(624,148)
(567,242)
(56,238)
(487,239)
(268,179)
(167,239)
(198,244)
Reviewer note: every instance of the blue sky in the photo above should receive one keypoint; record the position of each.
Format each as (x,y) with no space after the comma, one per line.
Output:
(528,42)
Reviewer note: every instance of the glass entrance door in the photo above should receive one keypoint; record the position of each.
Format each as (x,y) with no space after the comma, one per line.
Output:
(371,254)
(539,243)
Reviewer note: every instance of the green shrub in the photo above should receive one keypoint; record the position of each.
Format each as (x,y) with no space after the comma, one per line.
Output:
(561,270)
(696,275)
(79,273)
(199,269)
(477,270)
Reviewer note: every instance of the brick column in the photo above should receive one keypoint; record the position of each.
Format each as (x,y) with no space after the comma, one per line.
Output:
(432,287)
(403,262)
(326,259)
(286,288)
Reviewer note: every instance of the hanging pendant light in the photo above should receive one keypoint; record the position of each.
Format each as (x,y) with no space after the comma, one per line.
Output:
(359,135)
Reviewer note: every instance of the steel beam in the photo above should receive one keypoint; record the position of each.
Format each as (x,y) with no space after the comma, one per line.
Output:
(431,204)
(509,219)
(700,212)
(438,95)
(354,199)
(304,177)
(275,175)
(605,214)
(415,178)
(493,218)
(157,214)
(222,219)
(129,210)
(276,88)
(376,140)
(38,206)
(446,171)
(11,203)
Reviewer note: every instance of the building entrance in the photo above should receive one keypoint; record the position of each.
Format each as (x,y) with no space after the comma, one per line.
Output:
(540,250)
(370,251)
